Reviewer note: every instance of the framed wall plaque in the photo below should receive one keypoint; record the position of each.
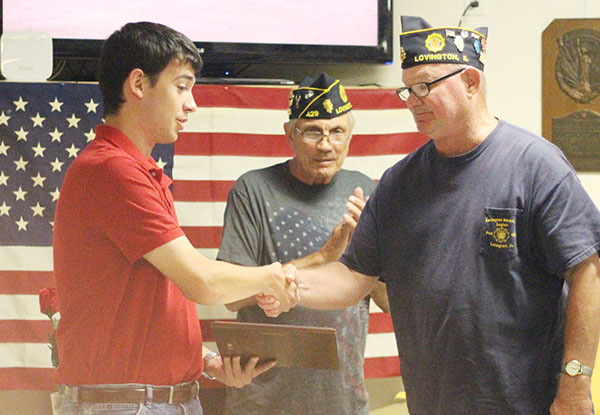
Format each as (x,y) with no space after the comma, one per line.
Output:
(571,90)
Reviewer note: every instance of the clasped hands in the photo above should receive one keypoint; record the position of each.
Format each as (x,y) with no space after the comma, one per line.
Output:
(283,299)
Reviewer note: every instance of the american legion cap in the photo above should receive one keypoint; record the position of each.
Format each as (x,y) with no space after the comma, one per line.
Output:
(318,98)
(422,44)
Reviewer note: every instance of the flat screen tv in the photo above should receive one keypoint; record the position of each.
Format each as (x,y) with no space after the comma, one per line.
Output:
(226,31)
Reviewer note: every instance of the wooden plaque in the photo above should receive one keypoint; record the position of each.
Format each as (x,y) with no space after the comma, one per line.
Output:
(291,346)
(571,89)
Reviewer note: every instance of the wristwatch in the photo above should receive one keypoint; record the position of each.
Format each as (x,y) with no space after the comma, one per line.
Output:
(576,368)
(207,357)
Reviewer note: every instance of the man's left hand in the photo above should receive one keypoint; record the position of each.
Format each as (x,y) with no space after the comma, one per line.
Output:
(573,397)
(229,370)
(342,233)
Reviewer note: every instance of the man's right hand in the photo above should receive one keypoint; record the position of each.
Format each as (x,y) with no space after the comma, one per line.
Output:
(273,305)
(282,293)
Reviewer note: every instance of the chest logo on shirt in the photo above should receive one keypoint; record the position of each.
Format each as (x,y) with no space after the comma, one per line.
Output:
(500,231)
(499,236)
(502,235)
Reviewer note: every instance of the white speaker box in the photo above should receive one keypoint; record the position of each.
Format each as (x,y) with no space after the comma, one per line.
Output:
(26,56)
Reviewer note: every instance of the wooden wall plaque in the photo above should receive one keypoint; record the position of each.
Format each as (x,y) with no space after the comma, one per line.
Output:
(571,89)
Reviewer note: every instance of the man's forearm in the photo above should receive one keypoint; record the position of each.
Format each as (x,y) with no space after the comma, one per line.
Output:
(331,286)
(582,327)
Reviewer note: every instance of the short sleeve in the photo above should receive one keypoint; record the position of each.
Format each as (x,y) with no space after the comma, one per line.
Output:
(566,223)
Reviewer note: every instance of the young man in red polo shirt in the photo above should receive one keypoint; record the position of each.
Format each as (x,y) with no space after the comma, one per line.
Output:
(125,272)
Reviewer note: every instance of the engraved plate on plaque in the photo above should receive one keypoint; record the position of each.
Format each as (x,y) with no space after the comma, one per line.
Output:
(578,135)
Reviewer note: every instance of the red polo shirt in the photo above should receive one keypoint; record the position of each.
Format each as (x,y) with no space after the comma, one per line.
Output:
(122,321)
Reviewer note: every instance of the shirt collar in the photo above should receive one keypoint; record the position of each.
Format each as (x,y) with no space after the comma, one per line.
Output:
(122,142)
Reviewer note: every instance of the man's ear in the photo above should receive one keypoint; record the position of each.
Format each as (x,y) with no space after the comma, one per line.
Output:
(136,83)
(288,132)
(472,79)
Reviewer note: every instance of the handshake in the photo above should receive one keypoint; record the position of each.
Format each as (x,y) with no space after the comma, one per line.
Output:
(283,293)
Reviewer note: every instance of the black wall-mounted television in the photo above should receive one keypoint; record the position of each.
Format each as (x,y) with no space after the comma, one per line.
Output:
(226,31)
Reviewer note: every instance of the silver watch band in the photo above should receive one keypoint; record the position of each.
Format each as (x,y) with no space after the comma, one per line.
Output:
(576,368)
(207,358)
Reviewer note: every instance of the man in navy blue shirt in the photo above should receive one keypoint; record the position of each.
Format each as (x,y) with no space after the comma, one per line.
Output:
(475,235)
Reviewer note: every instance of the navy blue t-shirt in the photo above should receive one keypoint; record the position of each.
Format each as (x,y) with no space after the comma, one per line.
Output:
(473,249)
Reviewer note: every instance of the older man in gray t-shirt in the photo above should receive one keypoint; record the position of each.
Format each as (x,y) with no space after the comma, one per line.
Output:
(286,213)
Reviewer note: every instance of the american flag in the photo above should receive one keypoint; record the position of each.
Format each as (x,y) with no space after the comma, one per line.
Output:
(44,126)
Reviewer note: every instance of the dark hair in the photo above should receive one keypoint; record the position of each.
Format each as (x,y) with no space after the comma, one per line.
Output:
(144,45)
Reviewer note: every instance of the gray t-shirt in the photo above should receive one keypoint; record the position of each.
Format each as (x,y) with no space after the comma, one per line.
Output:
(472,250)
(272,216)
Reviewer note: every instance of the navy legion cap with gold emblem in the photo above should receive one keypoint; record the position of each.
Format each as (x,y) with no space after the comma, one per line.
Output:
(421,44)
(320,98)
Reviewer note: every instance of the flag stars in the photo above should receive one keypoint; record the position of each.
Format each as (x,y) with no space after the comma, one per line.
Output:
(4,148)
(21,134)
(73,121)
(4,209)
(55,195)
(91,106)
(4,119)
(55,135)
(20,194)
(72,150)
(20,104)
(38,210)
(160,163)
(3,179)
(56,104)
(90,135)
(38,180)
(56,164)
(20,163)
(22,224)
(38,150)
(38,120)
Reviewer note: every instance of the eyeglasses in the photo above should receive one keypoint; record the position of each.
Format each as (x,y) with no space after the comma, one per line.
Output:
(422,89)
(335,136)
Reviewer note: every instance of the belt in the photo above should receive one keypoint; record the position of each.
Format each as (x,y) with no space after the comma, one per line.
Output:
(176,394)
